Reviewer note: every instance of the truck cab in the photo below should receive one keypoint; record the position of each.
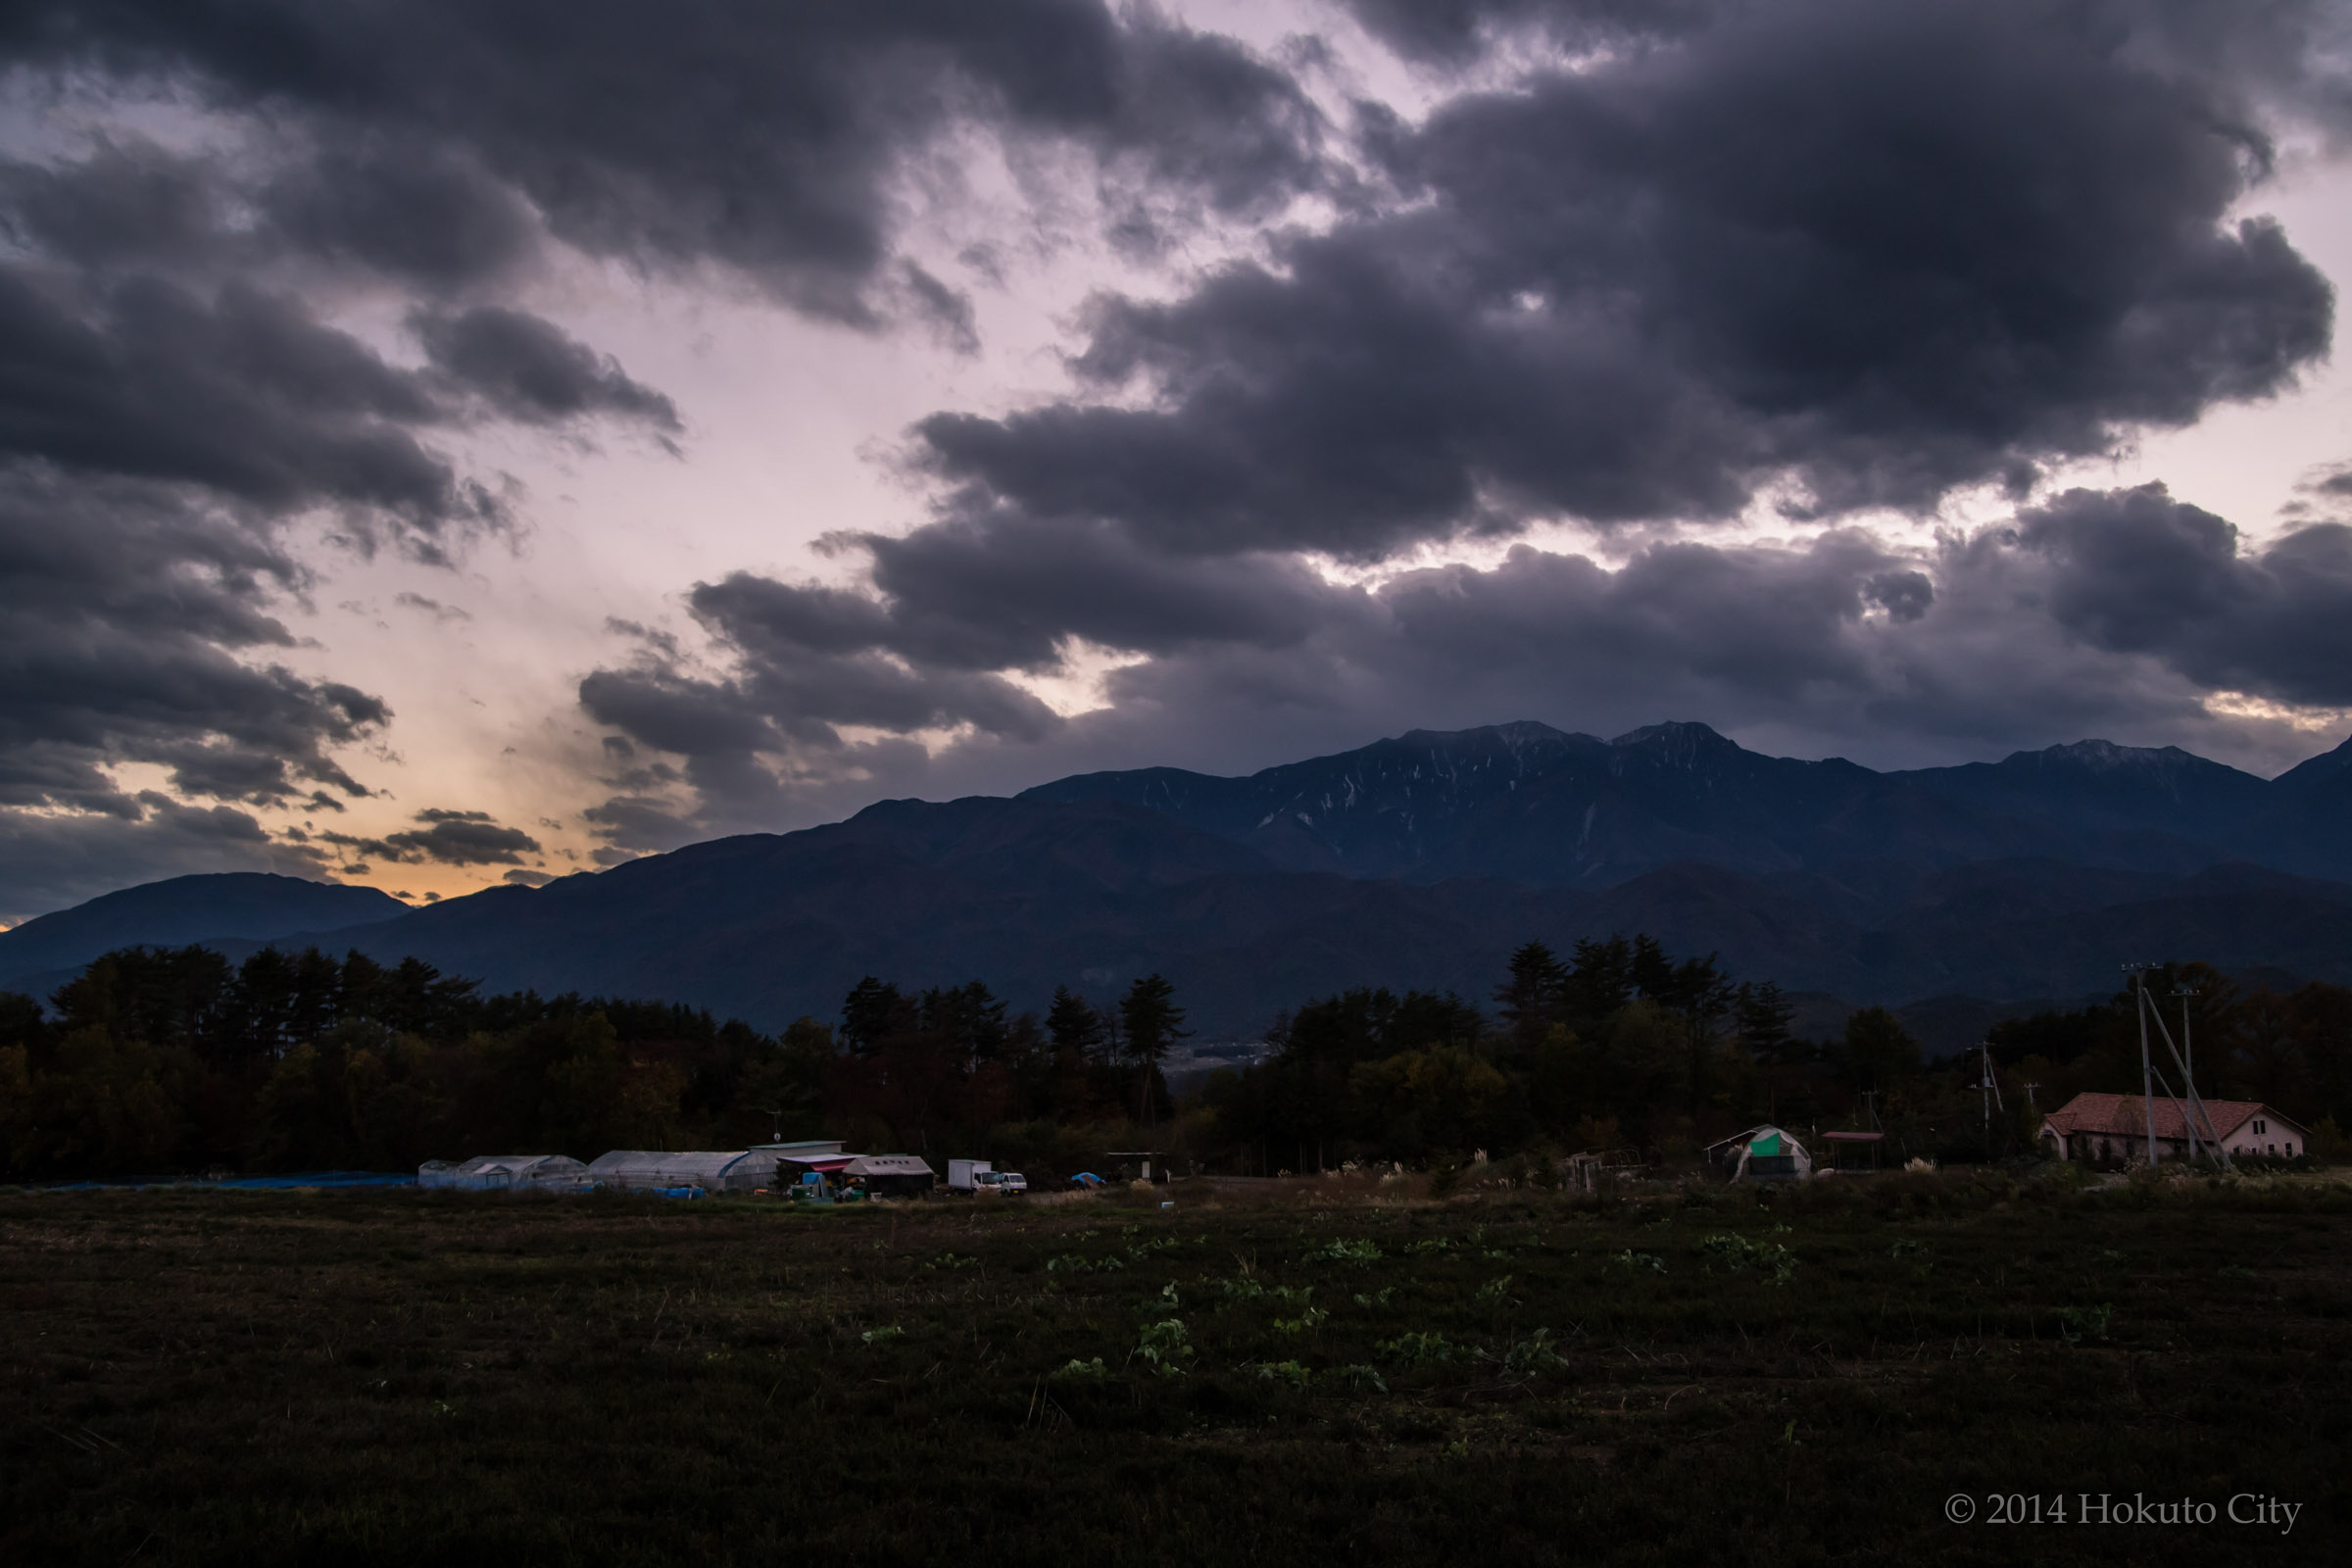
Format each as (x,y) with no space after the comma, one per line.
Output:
(1000,1181)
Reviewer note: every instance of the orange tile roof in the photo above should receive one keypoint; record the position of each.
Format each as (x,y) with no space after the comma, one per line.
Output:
(2122,1116)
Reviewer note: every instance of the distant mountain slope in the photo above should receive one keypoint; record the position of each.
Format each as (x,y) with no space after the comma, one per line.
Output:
(1421,861)
(1027,895)
(1531,804)
(2305,820)
(186,909)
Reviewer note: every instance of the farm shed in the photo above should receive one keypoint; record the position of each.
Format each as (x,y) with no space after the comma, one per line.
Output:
(811,1172)
(638,1170)
(2115,1127)
(892,1175)
(1854,1150)
(1763,1153)
(502,1172)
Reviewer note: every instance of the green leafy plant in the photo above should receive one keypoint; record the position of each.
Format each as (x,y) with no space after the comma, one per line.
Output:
(1636,1261)
(1289,1372)
(1075,1370)
(1494,1290)
(1740,1254)
(1380,1298)
(883,1335)
(1341,1250)
(1076,1263)
(1418,1349)
(1303,1323)
(1164,1348)
(1533,1353)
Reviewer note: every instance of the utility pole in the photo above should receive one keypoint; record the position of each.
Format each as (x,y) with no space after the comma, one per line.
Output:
(2183,1059)
(2147,1069)
(1991,1097)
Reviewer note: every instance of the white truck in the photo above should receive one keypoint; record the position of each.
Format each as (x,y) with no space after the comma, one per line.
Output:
(978,1176)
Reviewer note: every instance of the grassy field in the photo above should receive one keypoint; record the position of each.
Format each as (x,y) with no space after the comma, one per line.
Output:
(1306,1372)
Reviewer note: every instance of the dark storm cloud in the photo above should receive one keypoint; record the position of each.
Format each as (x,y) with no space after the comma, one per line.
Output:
(1875,252)
(246,394)
(428,215)
(2136,571)
(528,370)
(450,838)
(806,663)
(126,202)
(124,615)
(761,138)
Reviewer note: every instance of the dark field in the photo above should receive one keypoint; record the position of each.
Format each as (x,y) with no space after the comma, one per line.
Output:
(1300,1376)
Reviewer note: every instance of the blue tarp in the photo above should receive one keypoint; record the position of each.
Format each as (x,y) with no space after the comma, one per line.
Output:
(250,1183)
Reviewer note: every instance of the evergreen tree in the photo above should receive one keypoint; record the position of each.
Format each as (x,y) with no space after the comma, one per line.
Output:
(1153,1023)
(1764,1015)
(870,1014)
(1073,1025)
(1532,998)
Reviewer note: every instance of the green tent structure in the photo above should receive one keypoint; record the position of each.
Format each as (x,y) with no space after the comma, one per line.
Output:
(1762,1154)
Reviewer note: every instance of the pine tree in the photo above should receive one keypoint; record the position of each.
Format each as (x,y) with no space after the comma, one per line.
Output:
(1151,1022)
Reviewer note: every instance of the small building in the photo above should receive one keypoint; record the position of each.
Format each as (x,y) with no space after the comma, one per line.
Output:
(646,1170)
(1762,1154)
(891,1175)
(1854,1150)
(490,1173)
(811,1171)
(2113,1128)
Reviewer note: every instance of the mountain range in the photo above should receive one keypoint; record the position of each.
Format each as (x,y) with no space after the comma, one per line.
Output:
(1420,860)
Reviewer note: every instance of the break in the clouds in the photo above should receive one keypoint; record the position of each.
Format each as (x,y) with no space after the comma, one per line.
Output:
(1739,360)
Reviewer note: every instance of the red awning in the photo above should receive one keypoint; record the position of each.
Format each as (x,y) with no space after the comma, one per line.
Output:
(1854,1138)
(827,1163)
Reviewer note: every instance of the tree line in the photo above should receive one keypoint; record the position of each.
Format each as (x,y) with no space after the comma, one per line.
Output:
(175,1059)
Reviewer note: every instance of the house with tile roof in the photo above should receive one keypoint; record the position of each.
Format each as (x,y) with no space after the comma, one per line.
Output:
(2108,1128)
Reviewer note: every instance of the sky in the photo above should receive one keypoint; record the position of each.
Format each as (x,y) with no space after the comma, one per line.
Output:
(474,441)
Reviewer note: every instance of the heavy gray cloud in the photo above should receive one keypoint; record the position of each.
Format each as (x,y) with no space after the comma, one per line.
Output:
(527,369)
(133,628)
(1868,252)
(449,837)
(764,138)
(2136,571)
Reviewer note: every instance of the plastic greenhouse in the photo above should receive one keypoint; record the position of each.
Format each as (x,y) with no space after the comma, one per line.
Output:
(501,1172)
(740,1170)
